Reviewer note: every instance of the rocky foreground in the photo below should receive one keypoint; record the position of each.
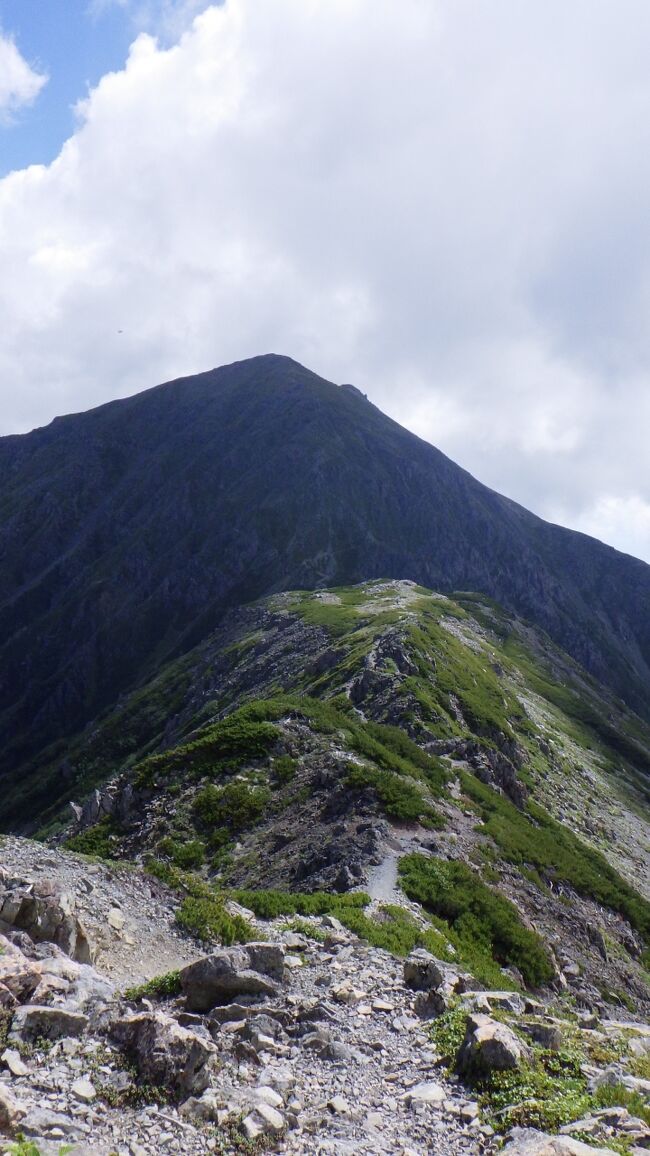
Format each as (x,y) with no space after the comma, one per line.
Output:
(308,1041)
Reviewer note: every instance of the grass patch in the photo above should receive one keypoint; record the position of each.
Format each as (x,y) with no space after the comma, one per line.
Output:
(486,924)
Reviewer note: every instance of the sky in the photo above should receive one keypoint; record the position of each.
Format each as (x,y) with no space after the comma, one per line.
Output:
(444,202)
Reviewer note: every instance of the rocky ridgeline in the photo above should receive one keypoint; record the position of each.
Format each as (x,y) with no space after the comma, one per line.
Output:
(306,1041)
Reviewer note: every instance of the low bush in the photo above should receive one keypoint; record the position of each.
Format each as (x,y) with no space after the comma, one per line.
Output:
(234,807)
(485,923)
(188,856)
(160,987)
(227,744)
(98,841)
(399,796)
(205,917)
(271,904)
(534,839)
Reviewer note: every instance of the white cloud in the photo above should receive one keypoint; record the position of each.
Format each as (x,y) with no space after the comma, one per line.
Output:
(443,202)
(20,84)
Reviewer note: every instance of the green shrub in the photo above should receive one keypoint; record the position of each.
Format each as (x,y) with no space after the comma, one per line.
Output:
(235,806)
(228,744)
(399,797)
(395,930)
(98,841)
(487,924)
(271,904)
(206,917)
(160,987)
(284,769)
(188,856)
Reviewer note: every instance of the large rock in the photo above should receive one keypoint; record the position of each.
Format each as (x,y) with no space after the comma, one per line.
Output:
(19,976)
(166,1055)
(437,984)
(46,913)
(33,1021)
(530,1142)
(12,1111)
(490,1046)
(253,969)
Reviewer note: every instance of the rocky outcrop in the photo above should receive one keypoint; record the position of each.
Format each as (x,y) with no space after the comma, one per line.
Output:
(490,1046)
(530,1142)
(166,1055)
(45,913)
(251,970)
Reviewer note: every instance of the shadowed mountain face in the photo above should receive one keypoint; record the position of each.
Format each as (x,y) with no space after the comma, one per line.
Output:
(126,532)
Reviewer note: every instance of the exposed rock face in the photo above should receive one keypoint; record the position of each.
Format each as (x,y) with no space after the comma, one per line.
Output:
(530,1142)
(253,969)
(45,913)
(32,1022)
(490,1046)
(166,1054)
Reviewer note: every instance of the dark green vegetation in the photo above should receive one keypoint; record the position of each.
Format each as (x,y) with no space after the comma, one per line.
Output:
(487,926)
(112,521)
(534,838)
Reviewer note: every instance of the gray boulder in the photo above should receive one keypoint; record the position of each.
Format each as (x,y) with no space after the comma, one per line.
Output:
(34,1021)
(490,1046)
(252,969)
(166,1055)
(530,1142)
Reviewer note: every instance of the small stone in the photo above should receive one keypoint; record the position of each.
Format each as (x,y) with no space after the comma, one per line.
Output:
(426,1093)
(83,1090)
(115,919)
(268,1095)
(12,1059)
(11,1110)
(339,1106)
(382,1005)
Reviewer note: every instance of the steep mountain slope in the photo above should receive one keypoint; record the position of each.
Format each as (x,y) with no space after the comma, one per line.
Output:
(126,532)
(353,738)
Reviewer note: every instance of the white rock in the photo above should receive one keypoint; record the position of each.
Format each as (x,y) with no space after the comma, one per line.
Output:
(426,1093)
(83,1090)
(266,1095)
(12,1059)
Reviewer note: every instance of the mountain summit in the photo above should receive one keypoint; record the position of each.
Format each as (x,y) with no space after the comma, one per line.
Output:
(127,532)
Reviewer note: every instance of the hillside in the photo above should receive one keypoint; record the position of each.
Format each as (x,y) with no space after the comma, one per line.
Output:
(338,740)
(127,532)
(366,870)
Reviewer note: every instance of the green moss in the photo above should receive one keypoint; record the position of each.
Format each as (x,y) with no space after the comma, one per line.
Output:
(486,924)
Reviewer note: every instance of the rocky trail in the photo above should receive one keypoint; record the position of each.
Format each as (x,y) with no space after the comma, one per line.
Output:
(307,1041)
